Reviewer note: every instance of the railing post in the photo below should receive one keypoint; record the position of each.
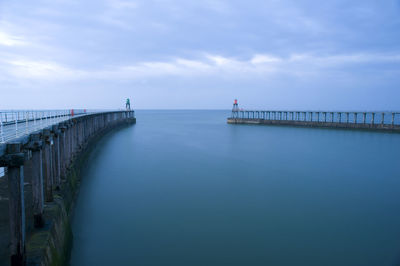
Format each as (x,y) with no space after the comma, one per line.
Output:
(340,117)
(383,119)
(355,118)
(364,117)
(373,119)
(347,117)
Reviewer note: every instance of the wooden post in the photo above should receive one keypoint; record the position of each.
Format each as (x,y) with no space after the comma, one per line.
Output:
(373,118)
(47,165)
(56,157)
(392,119)
(35,145)
(355,118)
(54,160)
(16,203)
(70,144)
(62,151)
(383,118)
(347,117)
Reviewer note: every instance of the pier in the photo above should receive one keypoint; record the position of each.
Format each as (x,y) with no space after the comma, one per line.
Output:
(38,153)
(379,121)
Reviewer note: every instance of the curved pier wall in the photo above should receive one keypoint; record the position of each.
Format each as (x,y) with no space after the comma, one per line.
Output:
(41,184)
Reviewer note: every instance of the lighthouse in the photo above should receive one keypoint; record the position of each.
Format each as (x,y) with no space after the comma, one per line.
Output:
(235,109)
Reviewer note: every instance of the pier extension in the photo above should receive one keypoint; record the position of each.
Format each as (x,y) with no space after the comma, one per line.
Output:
(379,121)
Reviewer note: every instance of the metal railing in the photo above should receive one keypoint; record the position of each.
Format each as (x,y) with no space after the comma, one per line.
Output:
(14,124)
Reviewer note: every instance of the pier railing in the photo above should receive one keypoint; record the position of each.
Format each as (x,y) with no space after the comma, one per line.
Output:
(17,123)
(371,120)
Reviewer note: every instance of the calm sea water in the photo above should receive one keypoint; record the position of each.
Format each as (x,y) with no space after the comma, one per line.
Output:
(185,188)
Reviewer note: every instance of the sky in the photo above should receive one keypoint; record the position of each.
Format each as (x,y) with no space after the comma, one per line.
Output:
(180,54)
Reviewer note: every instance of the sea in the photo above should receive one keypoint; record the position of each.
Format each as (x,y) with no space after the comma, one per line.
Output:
(184,188)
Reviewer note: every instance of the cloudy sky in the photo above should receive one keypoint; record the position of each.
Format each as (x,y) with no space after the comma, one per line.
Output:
(180,54)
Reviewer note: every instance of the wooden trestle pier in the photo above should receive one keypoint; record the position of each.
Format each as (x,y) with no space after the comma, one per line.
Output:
(381,121)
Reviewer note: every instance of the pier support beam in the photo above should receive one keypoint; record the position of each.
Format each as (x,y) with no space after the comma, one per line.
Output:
(35,146)
(47,164)
(62,151)
(392,119)
(14,161)
(56,156)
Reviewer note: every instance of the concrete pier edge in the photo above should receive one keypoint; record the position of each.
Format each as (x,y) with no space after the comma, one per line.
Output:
(61,151)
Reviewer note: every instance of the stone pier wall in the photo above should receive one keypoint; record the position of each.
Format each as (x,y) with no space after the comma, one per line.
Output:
(42,180)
